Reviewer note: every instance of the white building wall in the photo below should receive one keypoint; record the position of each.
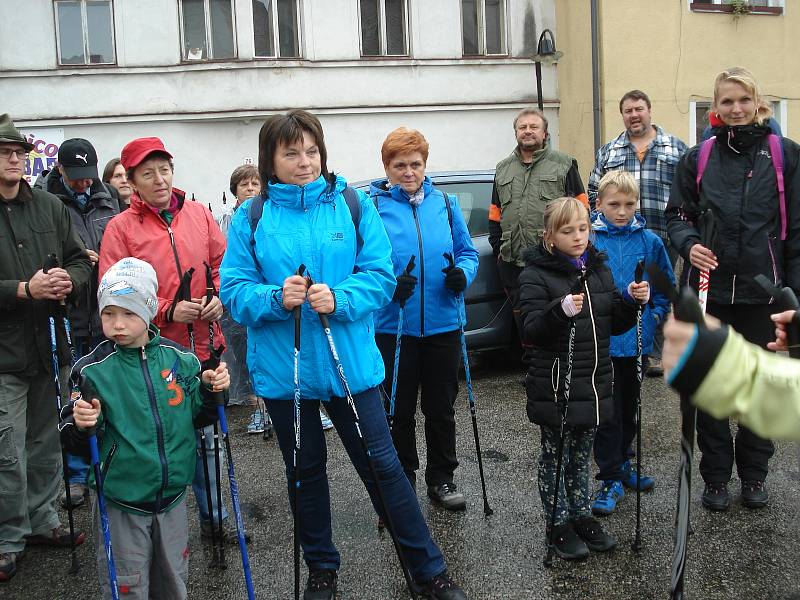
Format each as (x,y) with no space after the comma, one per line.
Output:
(209,114)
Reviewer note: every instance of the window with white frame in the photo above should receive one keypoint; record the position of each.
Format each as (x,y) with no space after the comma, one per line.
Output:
(85,32)
(207,29)
(276,28)
(483,27)
(699,111)
(384,26)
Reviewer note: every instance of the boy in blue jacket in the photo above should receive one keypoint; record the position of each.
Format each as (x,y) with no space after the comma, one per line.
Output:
(622,235)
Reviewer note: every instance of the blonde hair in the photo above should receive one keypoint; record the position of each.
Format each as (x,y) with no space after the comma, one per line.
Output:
(745,78)
(622,181)
(558,213)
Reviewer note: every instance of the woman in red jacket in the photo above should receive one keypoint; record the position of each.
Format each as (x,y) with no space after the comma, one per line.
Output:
(174,236)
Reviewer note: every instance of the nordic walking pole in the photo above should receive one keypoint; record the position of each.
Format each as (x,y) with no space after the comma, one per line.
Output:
(398,340)
(784,299)
(51,262)
(296,488)
(210,293)
(548,559)
(637,539)
(687,308)
(326,327)
(462,315)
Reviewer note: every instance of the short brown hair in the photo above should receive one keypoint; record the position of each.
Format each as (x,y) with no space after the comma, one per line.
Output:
(108,172)
(240,174)
(530,111)
(634,95)
(287,129)
(403,141)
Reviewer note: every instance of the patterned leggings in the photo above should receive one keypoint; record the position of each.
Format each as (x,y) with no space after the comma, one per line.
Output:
(574,499)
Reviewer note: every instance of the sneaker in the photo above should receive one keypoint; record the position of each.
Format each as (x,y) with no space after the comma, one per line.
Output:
(607,497)
(256,422)
(591,532)
(715,496)
(326,422)
(321,585)
(629,478)
(77,493)
(446,496)
(441,587)
(754,494)
(8,564)
(58,536)
(654,368)
(566,543)
(229,533)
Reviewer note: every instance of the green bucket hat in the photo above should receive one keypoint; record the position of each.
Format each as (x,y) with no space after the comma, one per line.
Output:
(10,134)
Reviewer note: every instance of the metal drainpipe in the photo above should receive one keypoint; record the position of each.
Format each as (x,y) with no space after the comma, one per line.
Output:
(597,112)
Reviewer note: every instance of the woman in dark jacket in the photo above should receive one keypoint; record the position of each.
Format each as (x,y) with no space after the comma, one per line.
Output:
(563,282)
(732,221)
(423,222)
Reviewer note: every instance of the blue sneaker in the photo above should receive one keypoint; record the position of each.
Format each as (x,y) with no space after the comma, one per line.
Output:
(629,478)
(326,422)
(607,497)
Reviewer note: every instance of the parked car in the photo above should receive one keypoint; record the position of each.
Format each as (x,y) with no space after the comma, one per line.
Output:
(489,321)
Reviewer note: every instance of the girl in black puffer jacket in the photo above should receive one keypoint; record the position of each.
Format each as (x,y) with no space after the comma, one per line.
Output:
(564,280)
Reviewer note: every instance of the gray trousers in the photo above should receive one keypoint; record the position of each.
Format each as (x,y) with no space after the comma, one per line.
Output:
(151,553)
(30,458)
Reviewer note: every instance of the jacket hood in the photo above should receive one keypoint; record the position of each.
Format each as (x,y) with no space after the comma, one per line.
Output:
(537,256)
(138,206)
(600,223)
(303,197)
(381,187)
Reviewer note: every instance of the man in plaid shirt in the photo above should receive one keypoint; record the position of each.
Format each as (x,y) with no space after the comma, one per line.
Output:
(651,155)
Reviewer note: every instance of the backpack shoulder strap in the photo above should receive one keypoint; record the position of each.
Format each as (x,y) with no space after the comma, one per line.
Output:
(776,151)
(354,206)
(449,210)
(254,212)
(702,159)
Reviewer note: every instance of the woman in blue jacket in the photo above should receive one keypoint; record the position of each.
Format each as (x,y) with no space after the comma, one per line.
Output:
(306,220)
(423,222)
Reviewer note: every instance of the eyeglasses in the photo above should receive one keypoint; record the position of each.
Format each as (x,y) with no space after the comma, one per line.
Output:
(5,153)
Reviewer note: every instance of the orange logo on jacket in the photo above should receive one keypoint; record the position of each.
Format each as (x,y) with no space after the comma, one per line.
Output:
(169,379)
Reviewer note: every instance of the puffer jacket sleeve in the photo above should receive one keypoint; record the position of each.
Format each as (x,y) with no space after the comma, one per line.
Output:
(372,282)
(466,256)
(683,207)
(543,318)
(791,246)
(243,290)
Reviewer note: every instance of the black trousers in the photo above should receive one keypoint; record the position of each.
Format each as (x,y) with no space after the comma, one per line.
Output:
(613,439)
(750,451)
(509,277)
(429,365)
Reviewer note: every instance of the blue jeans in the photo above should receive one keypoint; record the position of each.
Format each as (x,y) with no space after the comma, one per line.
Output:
(425,560)
(199,483)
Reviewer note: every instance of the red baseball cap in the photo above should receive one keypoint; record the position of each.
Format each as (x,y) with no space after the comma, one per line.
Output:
(134,153)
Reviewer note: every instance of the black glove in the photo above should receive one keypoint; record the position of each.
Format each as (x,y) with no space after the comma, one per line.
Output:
(454,279)
(405,288)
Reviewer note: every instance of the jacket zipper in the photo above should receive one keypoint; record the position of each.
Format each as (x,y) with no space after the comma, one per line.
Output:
(159,429)
(594,367)
(175,253)
(421,275)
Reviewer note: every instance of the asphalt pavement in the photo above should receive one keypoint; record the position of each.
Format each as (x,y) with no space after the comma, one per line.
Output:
(739,554)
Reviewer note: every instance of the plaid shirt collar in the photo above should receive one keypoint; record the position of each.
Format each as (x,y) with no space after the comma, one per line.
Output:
(661,139)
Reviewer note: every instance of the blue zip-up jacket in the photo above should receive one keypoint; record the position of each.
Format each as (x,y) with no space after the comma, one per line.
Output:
(625,247)
(424,231)
(308,225)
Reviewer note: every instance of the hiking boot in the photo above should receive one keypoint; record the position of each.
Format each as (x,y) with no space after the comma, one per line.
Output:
(629,478)
(654,368)
(77,493)
(321,584)
(446,496)
(607,497)
(58,536)
(8,564)
(715,496)
(566,543)
(325,420)
(441,587)
(228,531)
(591,532)
(754,494)
(257,422)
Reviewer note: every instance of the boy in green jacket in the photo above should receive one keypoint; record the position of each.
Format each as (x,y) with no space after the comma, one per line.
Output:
(152,398)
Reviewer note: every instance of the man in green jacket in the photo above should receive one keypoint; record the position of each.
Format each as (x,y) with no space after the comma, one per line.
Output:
(524,182)
(33,225)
